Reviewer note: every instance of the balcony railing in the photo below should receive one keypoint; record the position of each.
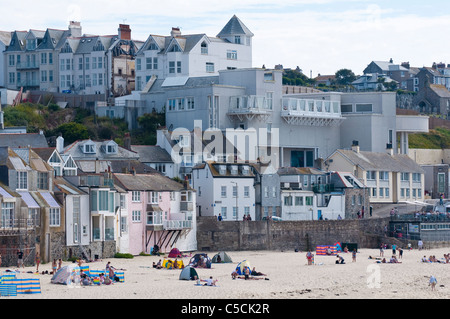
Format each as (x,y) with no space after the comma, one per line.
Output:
(249,107)
(27,65)
(323,188)
(28,83)
(311,112)
(177,224)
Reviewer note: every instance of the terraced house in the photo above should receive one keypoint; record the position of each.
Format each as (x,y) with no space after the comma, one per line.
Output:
(390,178)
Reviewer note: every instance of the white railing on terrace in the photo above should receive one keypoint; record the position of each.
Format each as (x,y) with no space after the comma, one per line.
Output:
(310,108)
(250,104)
(177,224)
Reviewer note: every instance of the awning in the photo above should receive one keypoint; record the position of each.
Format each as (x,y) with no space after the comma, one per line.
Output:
(52,203)
(5,193)
(29,200)
(153,208)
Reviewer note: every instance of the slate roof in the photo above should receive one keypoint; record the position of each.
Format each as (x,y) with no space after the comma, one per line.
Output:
(62,185)
(147,182)
(234,27)
(5,37)
(152,154)
(373,161)
(440,90)
(388,66)
(299,171)
(44,153)
(214,168)
(77,154)
(33,140)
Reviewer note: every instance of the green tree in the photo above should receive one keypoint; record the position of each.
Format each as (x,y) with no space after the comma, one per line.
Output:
(71,132)
(345,77)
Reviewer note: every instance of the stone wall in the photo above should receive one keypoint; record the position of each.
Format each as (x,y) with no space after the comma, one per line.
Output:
(100,249)
(287,235)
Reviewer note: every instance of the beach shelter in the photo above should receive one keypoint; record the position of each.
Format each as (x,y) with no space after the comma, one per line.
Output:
(224,258)
(188,273)
(197,257)
(326,250)
(23,286)
(169,264)
(65,274)
(175,253)
(241,266)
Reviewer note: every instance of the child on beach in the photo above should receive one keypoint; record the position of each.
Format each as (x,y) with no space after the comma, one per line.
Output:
(309,257)
(432,283)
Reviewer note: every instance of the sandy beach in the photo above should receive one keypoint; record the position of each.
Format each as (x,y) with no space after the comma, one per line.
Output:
(290,277)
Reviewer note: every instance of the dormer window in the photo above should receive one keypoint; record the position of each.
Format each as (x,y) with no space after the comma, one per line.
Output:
(89,148)
(31,44)
(184,140)
(175,48)
(111,148)
(222,169)
(234,170)
(204,48)
(237,39)
(153,46)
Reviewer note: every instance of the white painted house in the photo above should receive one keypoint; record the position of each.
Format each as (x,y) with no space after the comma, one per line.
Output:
(180,56)
(77,214)
(225,189)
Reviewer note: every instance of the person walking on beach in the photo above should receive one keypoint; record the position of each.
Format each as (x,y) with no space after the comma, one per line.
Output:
(432,283)
(381,250)
(20,259)
(38,261)
(420,244)
(354,255)
(394,247)
(54,266)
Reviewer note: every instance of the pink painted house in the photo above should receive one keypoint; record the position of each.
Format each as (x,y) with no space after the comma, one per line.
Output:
(155,210)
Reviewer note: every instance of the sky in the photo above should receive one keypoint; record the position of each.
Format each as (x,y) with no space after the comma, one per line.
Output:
(319,36)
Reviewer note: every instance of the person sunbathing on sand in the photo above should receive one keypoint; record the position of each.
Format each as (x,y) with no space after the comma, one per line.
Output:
(256,273)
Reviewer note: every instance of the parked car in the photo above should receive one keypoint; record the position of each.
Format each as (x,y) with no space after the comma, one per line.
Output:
(275,218)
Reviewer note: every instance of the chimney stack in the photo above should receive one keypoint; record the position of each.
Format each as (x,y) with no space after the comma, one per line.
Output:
(389,149)
(60,144)
(406,65)
(124,32)
(355,146)
(127,141)
(175,32)
(75,29)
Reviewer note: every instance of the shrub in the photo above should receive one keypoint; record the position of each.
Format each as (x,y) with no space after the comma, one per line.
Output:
(121,255)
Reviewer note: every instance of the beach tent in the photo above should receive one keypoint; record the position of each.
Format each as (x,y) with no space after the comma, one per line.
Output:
(188,273)
(194,260)
(65,274)
(174,253)
(223,257)
(241,266)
